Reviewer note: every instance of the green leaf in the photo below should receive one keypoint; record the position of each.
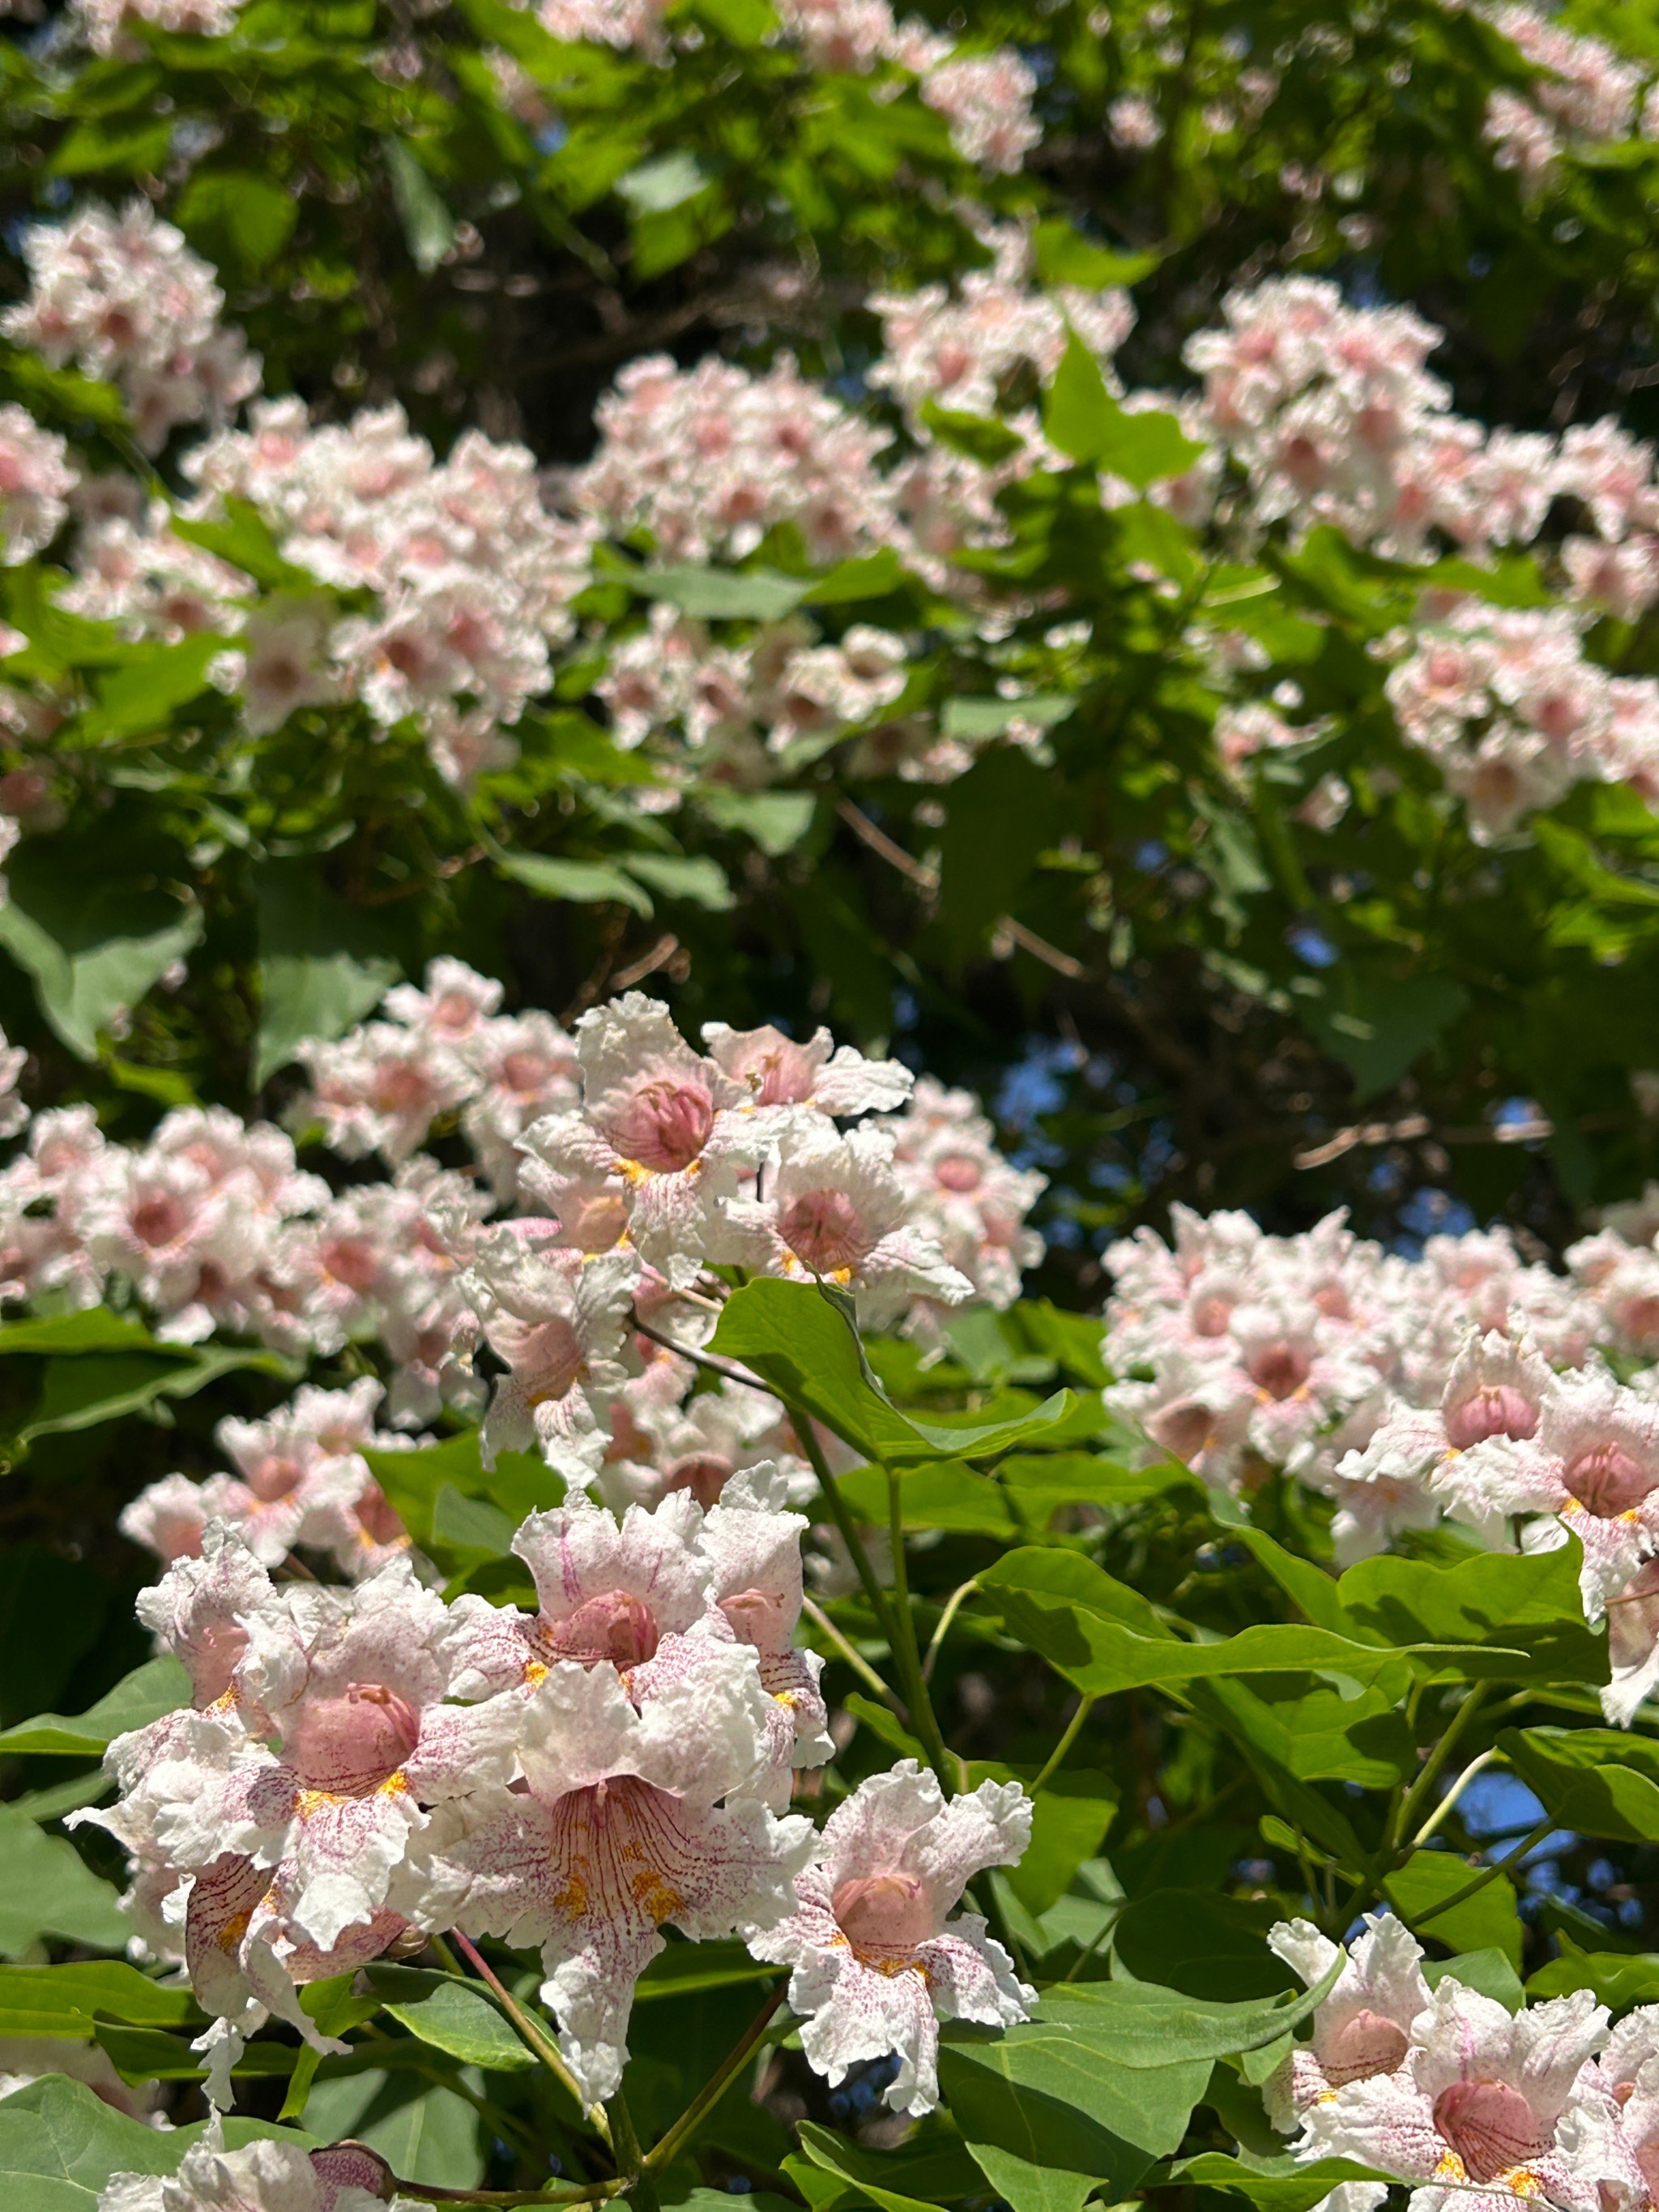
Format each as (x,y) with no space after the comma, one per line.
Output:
(981,437)
(84,1393)
(243,537)
(62,2001)
(1103,1637)
(1486,1920)
(428,227)
(683,876)
(776,821)
(666,182)
(1205,1944)
(724,594)
(794,1336)
(1049,2118)
(1619,1978)
(931,2168)
(428,2135)
(91,942)
(49,1890)
(866,576)
(140,699)
(159,1687)
(430,1489)
(323,965)
(253,215)
(1280,2184)
(1379,1025)
(1065,258)
(1518,1617)
(1599,1782)
(451,2015)
(1493,1973)
(1098,2086)
(96,1330)
(584,883)
(1083,419)
(60,2144)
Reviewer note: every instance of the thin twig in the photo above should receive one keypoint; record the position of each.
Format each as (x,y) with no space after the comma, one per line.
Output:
(924,878)
(714,2089)
(1056,1758)
(1476,1766)
(535,2037)
(1529,1842)
(927,880)
(723,1367)
(859,1665)
(953,1605)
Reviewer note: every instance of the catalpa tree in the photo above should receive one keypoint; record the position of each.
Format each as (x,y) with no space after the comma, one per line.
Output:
(830,1350)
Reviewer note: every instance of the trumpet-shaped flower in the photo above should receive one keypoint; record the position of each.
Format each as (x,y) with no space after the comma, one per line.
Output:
(620,1829)
(1479,2100)
(876,1960)
(752,1542)
(1363,2026)
(659,1122)
(608,1593)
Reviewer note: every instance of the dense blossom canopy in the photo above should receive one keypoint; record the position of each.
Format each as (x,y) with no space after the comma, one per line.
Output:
(829,1128)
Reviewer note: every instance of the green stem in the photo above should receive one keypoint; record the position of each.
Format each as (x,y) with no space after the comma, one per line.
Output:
(530,2031)
(712,2090)
(906,1652)
(634,2182)
(1434,1765)
(1528,1842)
(802,1423)
(593,2192)
(1074,1726)
(953,1605)
(859,1665)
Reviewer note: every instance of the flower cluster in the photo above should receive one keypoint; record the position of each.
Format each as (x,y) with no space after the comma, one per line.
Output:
(1335,419)
(986,98)
(1583,94)
(471,574)
(361,1768)
(1465,1385)
(1513,715)
(300,1484)
(123,297)
(709,459)
(1448,2091)
(35,480)
(739,708)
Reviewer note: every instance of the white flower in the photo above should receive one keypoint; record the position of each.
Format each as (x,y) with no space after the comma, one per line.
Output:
(876,1962)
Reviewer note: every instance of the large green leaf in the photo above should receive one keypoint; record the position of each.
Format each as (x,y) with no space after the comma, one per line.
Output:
(1421,1892)
(63,2001)
(1518,1617)
(797,1338)
(1619,1978)
(323,965)
(91,939)
(1598,1781)
(1281,2184)
(159,1687)
(905,2181)
(1084,420)
(1103,1637)
(49,1890)
(1096,2086)
(451,2015)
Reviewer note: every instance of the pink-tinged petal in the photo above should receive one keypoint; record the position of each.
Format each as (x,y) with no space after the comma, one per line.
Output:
(1384,2121)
